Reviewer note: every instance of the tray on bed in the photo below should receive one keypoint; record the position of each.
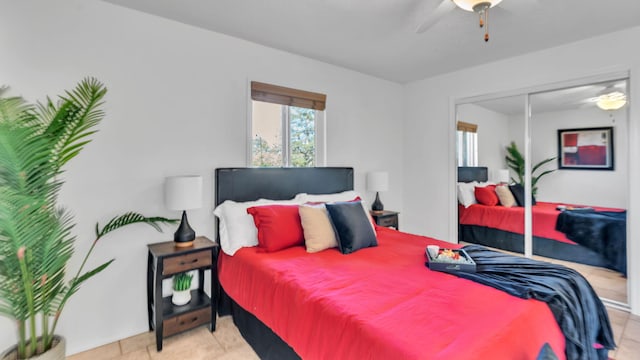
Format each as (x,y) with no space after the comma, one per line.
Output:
(465,263)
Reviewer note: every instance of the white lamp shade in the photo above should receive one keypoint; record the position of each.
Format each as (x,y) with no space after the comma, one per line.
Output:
(378,181)
(503,176)
(183,192)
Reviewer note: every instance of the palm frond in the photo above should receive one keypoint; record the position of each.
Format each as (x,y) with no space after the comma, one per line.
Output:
(70,122)
(542,163)
(515,161)
(132,218)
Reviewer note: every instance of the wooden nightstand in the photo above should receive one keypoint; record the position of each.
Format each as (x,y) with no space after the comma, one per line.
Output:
(164,261)
(386,218)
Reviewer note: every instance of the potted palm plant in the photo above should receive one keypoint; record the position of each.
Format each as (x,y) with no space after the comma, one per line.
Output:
(515,161)
(181,289)
(36,233)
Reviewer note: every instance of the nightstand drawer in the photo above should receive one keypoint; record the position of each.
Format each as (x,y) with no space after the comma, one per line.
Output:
(186,321)
(177,264)
(386,218)
(388,221)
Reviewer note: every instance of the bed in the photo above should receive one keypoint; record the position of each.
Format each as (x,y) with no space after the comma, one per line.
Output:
(376,303)
(503,228)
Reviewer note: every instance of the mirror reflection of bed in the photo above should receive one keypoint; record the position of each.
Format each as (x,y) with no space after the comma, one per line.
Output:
(588,206)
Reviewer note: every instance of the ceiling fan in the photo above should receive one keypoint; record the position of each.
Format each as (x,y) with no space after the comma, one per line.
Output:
(434,10)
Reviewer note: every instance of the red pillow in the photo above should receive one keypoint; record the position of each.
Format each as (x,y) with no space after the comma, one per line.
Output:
(279,226)
(487,195)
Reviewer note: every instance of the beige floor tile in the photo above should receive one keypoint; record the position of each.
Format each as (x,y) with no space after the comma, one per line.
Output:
(228,335)
(195,344)
(137,342)
(140,354)
(617,316)
(244,352)
(104,352)
(632,331)
(618,330)
(628,350)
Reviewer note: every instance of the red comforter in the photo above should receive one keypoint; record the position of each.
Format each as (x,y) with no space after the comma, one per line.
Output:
(383,303)
(544,217)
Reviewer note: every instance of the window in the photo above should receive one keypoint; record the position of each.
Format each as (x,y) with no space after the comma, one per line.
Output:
(467,150)
(287,127)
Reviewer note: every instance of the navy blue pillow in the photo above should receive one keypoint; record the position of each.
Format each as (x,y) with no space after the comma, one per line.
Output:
(518,192)
(351,225)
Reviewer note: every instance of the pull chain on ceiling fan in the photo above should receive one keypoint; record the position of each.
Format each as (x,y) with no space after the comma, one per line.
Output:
(480,7)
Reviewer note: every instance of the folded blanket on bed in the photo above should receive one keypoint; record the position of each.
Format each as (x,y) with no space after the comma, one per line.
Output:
(573,302)
(604,232)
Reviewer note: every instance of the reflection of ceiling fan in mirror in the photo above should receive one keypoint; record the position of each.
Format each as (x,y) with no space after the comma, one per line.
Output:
(435,10)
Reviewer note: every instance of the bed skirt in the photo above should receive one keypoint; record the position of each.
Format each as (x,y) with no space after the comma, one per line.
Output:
(264,342)
(509,241)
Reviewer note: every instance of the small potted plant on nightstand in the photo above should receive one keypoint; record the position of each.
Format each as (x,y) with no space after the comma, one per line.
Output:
(181,289)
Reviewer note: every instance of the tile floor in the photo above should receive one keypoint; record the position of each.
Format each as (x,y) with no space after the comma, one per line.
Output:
(226,343)
(607,283)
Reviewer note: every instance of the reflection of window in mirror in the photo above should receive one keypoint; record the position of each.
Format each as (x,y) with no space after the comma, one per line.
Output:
(467,140)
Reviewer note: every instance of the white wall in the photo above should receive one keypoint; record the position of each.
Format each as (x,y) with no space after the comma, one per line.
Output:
(177,104)
(583,187)
(586,187)
(493,135)
(428,209)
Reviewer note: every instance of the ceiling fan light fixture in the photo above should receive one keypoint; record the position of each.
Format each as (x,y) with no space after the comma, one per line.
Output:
(472,5)
(480,7)
(611,101)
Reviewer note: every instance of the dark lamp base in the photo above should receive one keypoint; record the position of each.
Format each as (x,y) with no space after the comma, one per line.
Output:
(183,244)
(377,204)
(184,236)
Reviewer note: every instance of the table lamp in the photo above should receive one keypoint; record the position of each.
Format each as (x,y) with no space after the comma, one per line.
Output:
(183,193)
(503,176)
(377,181)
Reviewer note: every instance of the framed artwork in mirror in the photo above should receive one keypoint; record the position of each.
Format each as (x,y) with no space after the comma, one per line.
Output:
(586,149)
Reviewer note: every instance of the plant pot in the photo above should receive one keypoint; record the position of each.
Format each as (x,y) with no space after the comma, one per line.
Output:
(181,297)
(57,351)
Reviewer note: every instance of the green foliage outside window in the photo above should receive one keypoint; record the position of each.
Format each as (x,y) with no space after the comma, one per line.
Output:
(302,142)
(303,137)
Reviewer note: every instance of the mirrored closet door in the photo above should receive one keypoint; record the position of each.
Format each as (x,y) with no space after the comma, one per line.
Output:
(579,139)
(488,213)
(572,143)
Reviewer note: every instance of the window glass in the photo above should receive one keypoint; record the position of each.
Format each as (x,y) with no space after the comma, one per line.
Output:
(287,126)
(266,130)
(302,136)
(467,151)
(284,135)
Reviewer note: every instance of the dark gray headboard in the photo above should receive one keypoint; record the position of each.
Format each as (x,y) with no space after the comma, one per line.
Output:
(247,184)
(472,173)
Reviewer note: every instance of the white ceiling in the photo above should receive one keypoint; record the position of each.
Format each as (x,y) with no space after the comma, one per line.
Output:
(377,37)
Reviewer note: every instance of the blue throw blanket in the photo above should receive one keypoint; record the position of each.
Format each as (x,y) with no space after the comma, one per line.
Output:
(573,302)
(604,232)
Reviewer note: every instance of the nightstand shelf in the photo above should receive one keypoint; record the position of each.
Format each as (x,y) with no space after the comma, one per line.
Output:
(199,300)
(166,260)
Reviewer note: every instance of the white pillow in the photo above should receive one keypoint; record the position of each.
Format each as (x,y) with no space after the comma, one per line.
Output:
(466,193)
(237,228)
(342,196)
